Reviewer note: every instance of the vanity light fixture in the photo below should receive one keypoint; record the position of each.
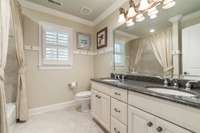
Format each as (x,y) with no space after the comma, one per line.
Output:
(122,17)
(144,4)
(140,18)
(136,12)
(168,4)
(130,22)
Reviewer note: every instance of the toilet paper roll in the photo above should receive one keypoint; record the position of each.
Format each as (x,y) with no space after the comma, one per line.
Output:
(73,84)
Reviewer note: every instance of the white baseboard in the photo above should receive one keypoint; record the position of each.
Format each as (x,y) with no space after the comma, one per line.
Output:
(53,107)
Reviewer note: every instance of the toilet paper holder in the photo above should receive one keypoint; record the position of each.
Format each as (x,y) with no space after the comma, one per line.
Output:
(73,85)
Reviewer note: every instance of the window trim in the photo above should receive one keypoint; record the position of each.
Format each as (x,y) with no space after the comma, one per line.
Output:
(123,64)
(41,45)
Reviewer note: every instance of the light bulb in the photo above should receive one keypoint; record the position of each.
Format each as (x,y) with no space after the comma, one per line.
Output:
(140,18)
(131,12)
(122,18)
(144,5)
(153,11)
(130,22)
(168,4)
(153,16)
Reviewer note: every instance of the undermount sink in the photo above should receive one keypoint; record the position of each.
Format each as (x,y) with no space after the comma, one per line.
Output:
(171,92)
(110,80)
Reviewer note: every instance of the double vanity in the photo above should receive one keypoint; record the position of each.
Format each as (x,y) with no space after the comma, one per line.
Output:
(144,106)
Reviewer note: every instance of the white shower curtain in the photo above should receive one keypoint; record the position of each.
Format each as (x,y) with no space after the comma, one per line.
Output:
(162,45)
(4,36)
(22,106)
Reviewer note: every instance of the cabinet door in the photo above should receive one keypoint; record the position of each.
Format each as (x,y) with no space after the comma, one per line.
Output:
(100,108)
(117,127)
(139,121)
(95,105)
(167,127)
(105,110)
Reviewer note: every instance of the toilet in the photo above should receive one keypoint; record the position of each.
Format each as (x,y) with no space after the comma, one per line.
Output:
(83,98)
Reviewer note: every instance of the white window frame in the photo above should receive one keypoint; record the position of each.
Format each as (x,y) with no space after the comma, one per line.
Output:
(43,64)
(123,55)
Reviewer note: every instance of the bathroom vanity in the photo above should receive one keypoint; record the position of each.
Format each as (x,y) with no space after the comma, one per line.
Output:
(129,107)
(164,47)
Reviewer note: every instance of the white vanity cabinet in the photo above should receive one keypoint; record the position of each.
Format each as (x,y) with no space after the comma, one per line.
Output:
(109,107)
(122,111)
(100,104)
(142,122)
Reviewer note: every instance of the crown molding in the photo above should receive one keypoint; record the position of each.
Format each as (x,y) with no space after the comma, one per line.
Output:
(37,7)
(109,11)
(175,18)
(191,16)
(132,36)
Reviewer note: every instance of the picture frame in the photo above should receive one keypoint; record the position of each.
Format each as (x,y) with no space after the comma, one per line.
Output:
(83,41)
(102,38)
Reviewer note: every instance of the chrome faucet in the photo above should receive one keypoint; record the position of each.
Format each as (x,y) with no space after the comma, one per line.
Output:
(123,77)
(166,82)
(170,81)
(188,85)
(175,83)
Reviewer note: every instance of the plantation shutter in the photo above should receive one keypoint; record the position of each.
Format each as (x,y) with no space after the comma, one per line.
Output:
(57,43)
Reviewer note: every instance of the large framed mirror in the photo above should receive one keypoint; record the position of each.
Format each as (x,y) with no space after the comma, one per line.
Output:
(165,46)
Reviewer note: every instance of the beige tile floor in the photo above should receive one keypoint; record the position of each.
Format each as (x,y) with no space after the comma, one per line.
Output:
(63,121)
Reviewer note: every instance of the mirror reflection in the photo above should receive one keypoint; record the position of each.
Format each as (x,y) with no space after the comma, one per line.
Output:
(164,46)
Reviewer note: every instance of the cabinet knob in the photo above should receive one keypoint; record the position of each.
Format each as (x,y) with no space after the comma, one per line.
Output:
(159,129)
(98,96)
(116,110)
(150,124)
(116,93)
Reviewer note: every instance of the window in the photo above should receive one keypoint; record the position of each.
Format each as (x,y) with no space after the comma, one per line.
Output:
(56,46)
(120,54)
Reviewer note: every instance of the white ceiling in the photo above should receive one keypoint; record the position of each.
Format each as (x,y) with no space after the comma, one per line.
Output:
(183,7)
(73,7)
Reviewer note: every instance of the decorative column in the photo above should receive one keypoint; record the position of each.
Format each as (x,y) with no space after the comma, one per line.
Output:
(176,45)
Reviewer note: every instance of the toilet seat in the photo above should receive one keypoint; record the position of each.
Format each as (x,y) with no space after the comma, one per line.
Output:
(84,94)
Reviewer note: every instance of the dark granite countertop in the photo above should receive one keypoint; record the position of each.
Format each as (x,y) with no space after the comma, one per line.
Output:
(141,87)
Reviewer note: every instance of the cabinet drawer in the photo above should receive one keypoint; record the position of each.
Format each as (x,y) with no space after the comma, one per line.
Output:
(117,127)
(119,110)
(101,88)
(119,94)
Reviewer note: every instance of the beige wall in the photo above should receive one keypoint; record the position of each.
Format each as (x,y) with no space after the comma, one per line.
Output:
(103,64)
(47,87)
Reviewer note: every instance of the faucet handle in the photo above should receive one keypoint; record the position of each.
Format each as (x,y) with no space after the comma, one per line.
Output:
(123,77)
(166,82)
(188,85)
(175,83)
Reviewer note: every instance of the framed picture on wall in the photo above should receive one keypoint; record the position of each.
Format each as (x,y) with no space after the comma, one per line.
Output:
(102,38)
(83,40)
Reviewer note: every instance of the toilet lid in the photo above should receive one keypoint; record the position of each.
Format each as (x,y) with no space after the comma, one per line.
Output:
(84,94)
